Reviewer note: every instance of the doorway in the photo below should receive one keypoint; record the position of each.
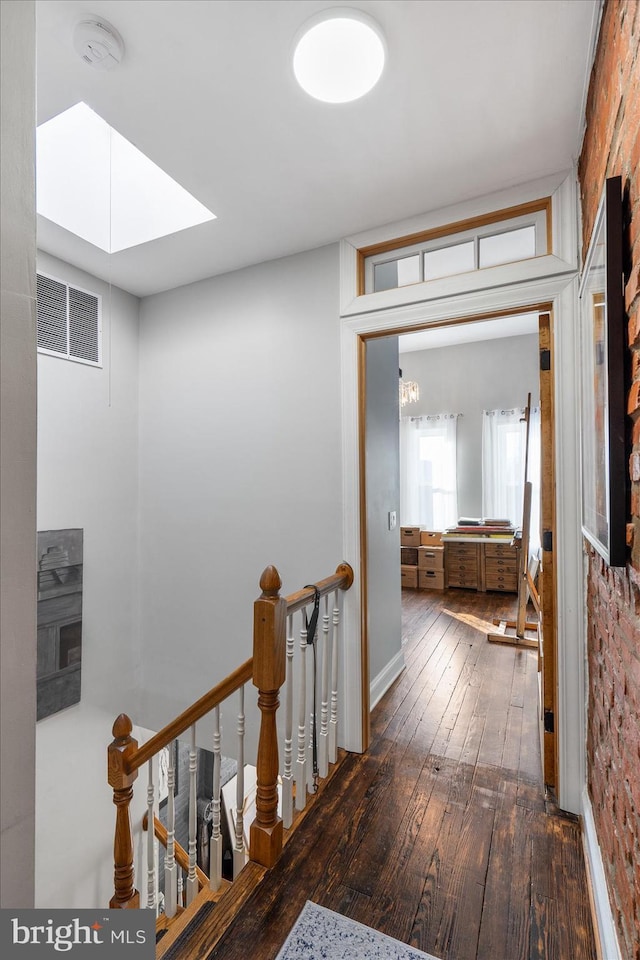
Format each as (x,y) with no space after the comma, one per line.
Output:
(477,332)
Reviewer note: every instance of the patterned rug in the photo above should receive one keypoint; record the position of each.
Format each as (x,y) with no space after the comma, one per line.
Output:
(321,934)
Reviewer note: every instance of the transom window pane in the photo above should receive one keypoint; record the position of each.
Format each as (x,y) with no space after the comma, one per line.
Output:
(508,247)
(396,273)
(447,261)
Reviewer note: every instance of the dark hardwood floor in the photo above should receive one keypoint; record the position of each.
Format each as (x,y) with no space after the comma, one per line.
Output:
(440,835)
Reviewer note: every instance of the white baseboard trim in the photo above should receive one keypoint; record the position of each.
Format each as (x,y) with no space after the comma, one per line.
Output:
(609,946)
(385,678)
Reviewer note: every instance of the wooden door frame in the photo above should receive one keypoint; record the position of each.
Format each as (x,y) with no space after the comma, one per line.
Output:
(559,295)
(548,661)
(547,516)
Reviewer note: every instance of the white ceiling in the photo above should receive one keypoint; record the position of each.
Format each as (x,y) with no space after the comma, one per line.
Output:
(477,95)
(516,325)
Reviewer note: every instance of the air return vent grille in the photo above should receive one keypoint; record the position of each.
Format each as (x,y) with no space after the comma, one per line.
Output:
(69,321)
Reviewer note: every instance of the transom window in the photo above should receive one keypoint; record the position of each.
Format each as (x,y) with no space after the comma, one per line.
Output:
(506,236)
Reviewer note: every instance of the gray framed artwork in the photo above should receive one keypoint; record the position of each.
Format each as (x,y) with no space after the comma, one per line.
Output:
(60,560)
(602,339)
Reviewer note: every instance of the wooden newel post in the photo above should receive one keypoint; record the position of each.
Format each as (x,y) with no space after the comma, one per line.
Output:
(269,671)
(125,895)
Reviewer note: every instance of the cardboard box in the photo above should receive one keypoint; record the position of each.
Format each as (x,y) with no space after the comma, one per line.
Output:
(431,579)
(409,536)
(431,558)
(430,538)
(409,556)
(408,576)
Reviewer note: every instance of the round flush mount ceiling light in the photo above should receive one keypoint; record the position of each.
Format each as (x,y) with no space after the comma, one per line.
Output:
(339,55)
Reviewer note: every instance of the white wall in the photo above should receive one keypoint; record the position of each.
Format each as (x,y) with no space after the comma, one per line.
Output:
(87,477)
(468,378)
(240,462)
(76,816)
(17,454)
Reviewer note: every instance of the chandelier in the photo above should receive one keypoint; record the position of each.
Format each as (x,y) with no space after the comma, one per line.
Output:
(409,391)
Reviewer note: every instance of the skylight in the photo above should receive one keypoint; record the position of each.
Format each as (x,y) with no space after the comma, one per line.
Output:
(96,184)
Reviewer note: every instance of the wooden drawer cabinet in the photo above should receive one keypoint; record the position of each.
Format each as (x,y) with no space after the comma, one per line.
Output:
(506,584)
(501,579)
(462,565)
(492,550)
(483,565)
(460,550)
(460,580)
(501,567)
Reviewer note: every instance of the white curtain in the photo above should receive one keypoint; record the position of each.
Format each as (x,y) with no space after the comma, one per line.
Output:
(534,474)
(503,455)
(428,481)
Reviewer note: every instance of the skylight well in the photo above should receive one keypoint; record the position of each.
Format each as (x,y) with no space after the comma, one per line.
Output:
(96,184)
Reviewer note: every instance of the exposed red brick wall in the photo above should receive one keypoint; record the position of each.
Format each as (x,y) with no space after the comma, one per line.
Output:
(612,147)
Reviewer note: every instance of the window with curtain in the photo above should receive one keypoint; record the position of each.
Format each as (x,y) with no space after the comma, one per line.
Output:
(503,456)
(428,480)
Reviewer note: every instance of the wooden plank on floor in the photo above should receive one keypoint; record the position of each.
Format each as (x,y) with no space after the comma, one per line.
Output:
(544,925)
(530,761)
(519,904)
(344,900)
(495,699)
(569,881)
(459,926)
(400,885)
(448,917)
(493,938)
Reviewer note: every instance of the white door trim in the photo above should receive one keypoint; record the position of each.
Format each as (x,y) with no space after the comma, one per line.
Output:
(558,290)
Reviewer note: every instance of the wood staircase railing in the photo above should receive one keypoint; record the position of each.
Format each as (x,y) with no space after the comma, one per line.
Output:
(268,668)
(182,857)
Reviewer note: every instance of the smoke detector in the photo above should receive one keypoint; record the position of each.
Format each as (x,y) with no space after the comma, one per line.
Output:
(98,43)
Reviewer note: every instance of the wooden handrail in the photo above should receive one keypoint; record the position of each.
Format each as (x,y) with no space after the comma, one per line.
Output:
(181,855)
(340,580)
(188,717)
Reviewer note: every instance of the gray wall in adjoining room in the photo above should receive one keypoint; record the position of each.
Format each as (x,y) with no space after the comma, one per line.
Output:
(382,483)
(468,378)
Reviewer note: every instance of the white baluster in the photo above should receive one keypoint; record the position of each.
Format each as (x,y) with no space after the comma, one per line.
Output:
(239,855)
(323,739)
(192,879)
(333,713)
(301,762)
(170,867)
(151,865)
(180,887)
(312,697)
(287,776)
(215,844)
